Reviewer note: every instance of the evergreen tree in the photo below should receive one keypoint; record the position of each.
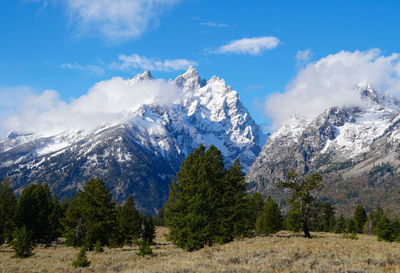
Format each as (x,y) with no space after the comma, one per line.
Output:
(129,221)
(328,217)
(90,217)
(73,224)
(340,225)
(360,217)
(384,229)
(36,211)
(8,209)
(81,259)
(148,230)
(396,228)
(294,222)
(303,194)
(351,226)
(256,206)
(21,243)
(207,204)
(236,209)
(160,220)
(373,218)
(270,221)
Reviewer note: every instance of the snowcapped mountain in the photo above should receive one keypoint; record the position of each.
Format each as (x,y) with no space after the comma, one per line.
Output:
(356,148)
(141,154)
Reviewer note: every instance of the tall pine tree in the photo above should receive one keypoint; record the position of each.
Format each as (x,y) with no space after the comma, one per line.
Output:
(90,217)
(270,221)
(35,211)
(360,217)
(207,204)
(8,209)
(303,194)
(129,222)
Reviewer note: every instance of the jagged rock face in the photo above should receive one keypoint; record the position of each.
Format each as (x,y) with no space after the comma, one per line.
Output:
(142,154)
(343,143)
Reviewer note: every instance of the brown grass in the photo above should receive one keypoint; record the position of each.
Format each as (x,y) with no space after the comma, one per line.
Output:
(283,252)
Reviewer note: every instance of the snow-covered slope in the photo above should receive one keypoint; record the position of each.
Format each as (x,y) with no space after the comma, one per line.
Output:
(141,154)
(341,143)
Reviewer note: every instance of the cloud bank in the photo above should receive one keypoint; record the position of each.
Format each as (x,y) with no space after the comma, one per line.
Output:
(115,20)
(331,81)
(252,46)
(136,61)
(106,102)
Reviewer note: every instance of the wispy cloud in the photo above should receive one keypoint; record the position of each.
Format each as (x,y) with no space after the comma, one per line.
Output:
(331,81)
(303,55)
(91,68)
(252,46)
(213,24)
(253,87)
(114,20)
(137,61)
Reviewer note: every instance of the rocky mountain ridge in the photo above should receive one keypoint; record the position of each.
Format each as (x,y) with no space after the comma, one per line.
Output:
(141,154)
(343,143)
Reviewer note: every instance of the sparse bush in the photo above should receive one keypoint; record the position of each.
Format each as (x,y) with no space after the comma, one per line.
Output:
(352,236)
(81,259)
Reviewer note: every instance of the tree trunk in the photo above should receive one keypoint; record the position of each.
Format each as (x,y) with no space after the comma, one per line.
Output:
(304,216)
(305,229)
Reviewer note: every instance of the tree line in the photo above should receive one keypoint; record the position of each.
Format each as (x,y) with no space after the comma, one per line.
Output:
(208,204)
(89,220)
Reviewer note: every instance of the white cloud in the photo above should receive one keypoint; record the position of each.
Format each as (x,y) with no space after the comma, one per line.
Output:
(331,81)
(91,68)
(106,102)
(136,61)
(303,55)
(253,46)
(213,24)
(115,20)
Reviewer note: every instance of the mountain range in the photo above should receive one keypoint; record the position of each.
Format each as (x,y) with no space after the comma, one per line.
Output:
(355,147)
(141,154)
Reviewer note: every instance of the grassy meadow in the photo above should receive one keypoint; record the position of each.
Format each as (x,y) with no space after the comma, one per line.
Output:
(282,252)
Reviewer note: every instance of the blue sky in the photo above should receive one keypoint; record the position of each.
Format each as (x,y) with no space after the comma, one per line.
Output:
(70,45)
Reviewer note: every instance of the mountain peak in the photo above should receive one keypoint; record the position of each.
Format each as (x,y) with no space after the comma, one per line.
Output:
(366,91)
(190,80)
(191,71)
(146,75)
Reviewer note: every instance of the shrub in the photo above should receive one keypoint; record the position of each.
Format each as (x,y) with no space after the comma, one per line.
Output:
(22,243)
(144,248)
(81,259)
(98,248)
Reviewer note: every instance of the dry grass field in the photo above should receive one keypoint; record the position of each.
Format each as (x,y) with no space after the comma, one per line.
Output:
(283,252)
